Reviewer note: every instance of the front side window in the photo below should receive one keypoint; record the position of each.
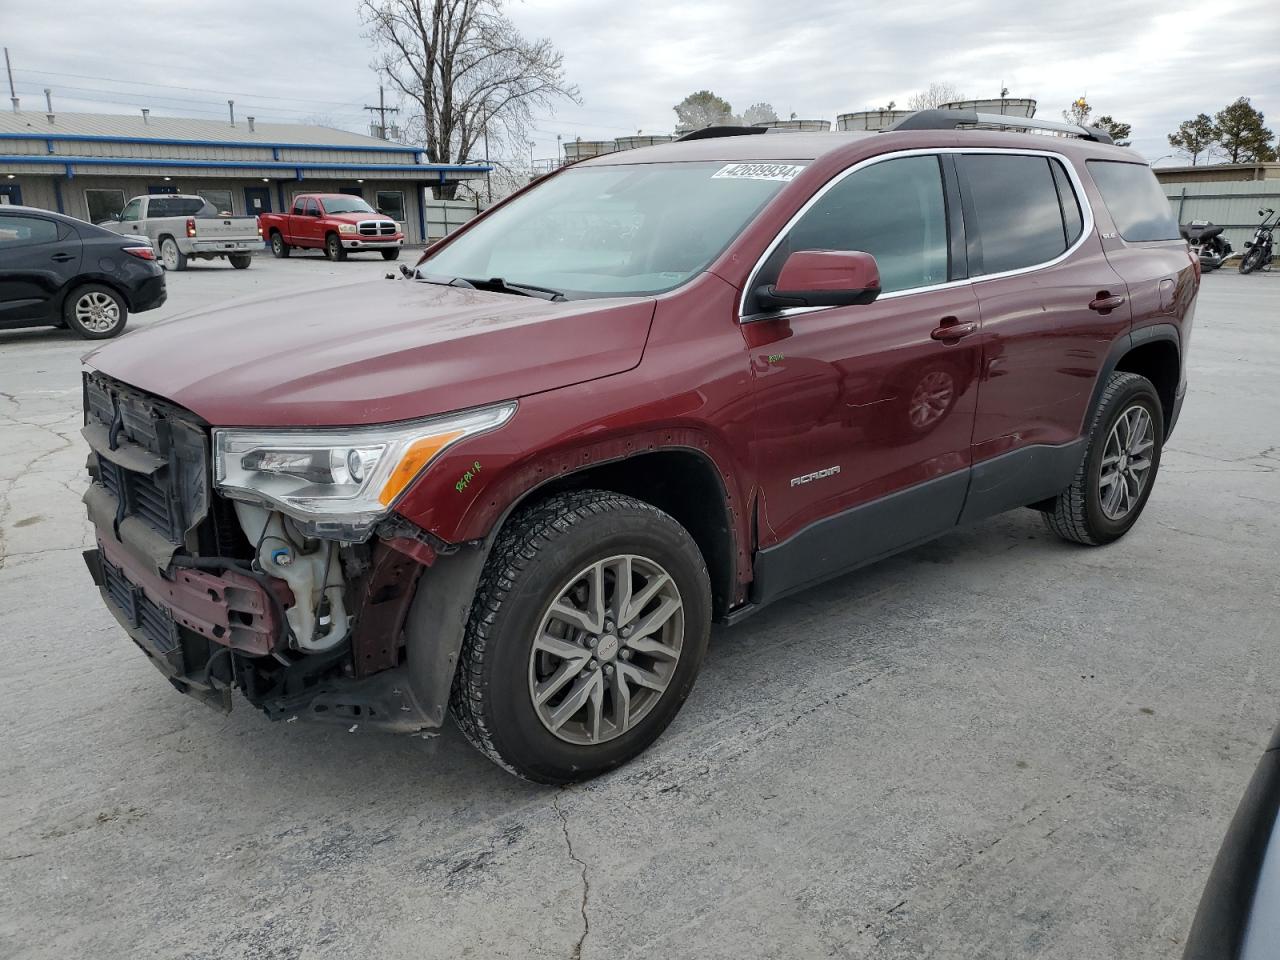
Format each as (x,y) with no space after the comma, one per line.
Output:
(618,230)
(893,210)
(104,205)
(391,203)
(132,210)
(1015,202)
(25,232)
(1137,204)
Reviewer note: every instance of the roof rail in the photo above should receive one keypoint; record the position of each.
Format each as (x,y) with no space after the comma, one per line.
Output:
(952,119)
(708,133)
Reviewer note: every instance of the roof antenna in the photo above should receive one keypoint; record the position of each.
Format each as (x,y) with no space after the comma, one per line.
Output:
(13,97)
(231,109)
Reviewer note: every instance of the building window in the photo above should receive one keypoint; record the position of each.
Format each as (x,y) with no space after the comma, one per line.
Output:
(391,203)
(104,204)
(218,198)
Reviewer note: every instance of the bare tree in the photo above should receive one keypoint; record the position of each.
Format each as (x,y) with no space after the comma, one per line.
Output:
(466,71)
(935,96)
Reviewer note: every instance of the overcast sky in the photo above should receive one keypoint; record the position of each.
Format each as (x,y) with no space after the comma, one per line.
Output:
(1149,63)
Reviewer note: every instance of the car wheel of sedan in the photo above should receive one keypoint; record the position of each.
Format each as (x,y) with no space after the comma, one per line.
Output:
(171,258)
(585,637)
(333,248)
(392,254)
(95,312)
(1119,468)
(279,249)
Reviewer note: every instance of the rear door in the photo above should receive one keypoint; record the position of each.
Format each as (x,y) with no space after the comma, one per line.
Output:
(38,258)
(864,414)
(1052,307)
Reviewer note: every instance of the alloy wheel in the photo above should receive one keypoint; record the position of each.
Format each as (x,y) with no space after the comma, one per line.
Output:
(1126,462)
(97,312)
(606,649)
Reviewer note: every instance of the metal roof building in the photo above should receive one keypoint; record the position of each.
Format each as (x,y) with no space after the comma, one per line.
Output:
(88,165)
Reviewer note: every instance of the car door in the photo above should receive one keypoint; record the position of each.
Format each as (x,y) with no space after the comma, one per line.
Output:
(38,258)
(864,414)
(130,223)
(314,230)
(1052,307)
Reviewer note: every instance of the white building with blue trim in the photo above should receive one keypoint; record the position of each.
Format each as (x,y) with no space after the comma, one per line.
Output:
(88,165)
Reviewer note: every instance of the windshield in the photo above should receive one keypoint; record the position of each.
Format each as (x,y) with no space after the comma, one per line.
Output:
(627,230)
(346,205)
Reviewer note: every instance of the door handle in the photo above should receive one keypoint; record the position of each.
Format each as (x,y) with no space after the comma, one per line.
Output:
(62,257)
(1105,303)
(950,330)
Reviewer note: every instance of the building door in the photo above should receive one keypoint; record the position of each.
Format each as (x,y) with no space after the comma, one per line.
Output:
(352,191)
(257,200)
(161,188)
(11,193)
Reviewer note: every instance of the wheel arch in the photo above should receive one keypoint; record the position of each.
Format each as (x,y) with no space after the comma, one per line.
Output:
(1155,353)
(93,279)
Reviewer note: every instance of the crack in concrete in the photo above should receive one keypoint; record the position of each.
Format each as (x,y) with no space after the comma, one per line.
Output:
(586,884)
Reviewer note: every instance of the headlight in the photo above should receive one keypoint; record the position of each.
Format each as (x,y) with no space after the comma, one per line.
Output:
(340,481)
(347,228)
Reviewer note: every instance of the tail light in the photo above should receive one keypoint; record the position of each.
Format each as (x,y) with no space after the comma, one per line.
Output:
(1195,262)
(259,228)
(142,253)
(191,226)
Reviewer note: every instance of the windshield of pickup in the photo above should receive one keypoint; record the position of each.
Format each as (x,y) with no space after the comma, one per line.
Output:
(627,230)
(346,205)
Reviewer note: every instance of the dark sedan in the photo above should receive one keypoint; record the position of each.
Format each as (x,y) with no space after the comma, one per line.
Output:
(1239,915)
(62,272)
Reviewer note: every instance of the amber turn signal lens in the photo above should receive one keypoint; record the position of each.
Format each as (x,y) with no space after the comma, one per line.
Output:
(419,454)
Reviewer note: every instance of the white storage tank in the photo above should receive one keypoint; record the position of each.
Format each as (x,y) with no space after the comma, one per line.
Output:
(870,119)
(809,125)
(581,149)
(641,140)
(1007,106)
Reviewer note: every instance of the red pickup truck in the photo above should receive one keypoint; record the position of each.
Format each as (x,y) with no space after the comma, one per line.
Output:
(333,222)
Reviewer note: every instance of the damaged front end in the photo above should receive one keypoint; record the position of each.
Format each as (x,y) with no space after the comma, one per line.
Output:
(304,612)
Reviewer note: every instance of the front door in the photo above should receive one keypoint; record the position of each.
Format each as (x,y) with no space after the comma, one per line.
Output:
(35,264)
(864,414)
(10,193)
(257,200)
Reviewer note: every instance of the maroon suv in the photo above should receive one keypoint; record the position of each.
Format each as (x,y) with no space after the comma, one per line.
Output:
(652,390)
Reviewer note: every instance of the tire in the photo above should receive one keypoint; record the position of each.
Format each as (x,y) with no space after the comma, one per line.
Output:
(279,249)
(1086,512)
(333,248)
(392,254)
(544,554)
(1252,260)
(171,258)
(95,312)
(241,261)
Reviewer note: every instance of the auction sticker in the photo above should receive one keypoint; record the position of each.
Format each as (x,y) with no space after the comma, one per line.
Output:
(758,171)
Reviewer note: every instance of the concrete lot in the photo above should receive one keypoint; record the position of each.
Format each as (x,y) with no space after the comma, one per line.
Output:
(997,745)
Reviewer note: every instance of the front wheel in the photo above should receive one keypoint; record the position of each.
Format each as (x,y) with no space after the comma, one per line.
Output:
(333,248)
(1252,260)
(1119,468)
(241,261)
(586,635)
(392,254)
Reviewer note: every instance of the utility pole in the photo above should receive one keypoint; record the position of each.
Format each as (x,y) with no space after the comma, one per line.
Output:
(13,97)
(382,110)
(488,182)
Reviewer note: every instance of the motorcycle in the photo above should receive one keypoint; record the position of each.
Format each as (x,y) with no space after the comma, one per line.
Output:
(1207,243)
(1258,250)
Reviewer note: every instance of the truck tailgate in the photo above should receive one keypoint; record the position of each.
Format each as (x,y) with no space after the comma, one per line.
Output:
(227,228)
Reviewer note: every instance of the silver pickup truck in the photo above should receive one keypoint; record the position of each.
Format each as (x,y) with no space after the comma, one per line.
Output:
(185,227)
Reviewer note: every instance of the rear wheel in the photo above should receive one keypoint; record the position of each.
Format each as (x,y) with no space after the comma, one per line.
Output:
(170,256)
(392,254)
(1252,260)
(333,248)
(1119,468)
(279,249)
(241,261)
(585,638)
(95,312)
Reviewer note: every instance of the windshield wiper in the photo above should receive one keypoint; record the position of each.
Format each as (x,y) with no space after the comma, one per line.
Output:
(499,285)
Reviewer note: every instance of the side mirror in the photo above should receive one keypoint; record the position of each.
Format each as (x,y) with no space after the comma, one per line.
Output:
(823,278)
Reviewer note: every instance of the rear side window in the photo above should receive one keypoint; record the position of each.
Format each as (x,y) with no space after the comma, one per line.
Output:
(1072,219)
(1137,204)
(893,210)
(25,232)
(1015,201)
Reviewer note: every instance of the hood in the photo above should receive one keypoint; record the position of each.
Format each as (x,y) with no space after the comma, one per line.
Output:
(374,352)
(359,217)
